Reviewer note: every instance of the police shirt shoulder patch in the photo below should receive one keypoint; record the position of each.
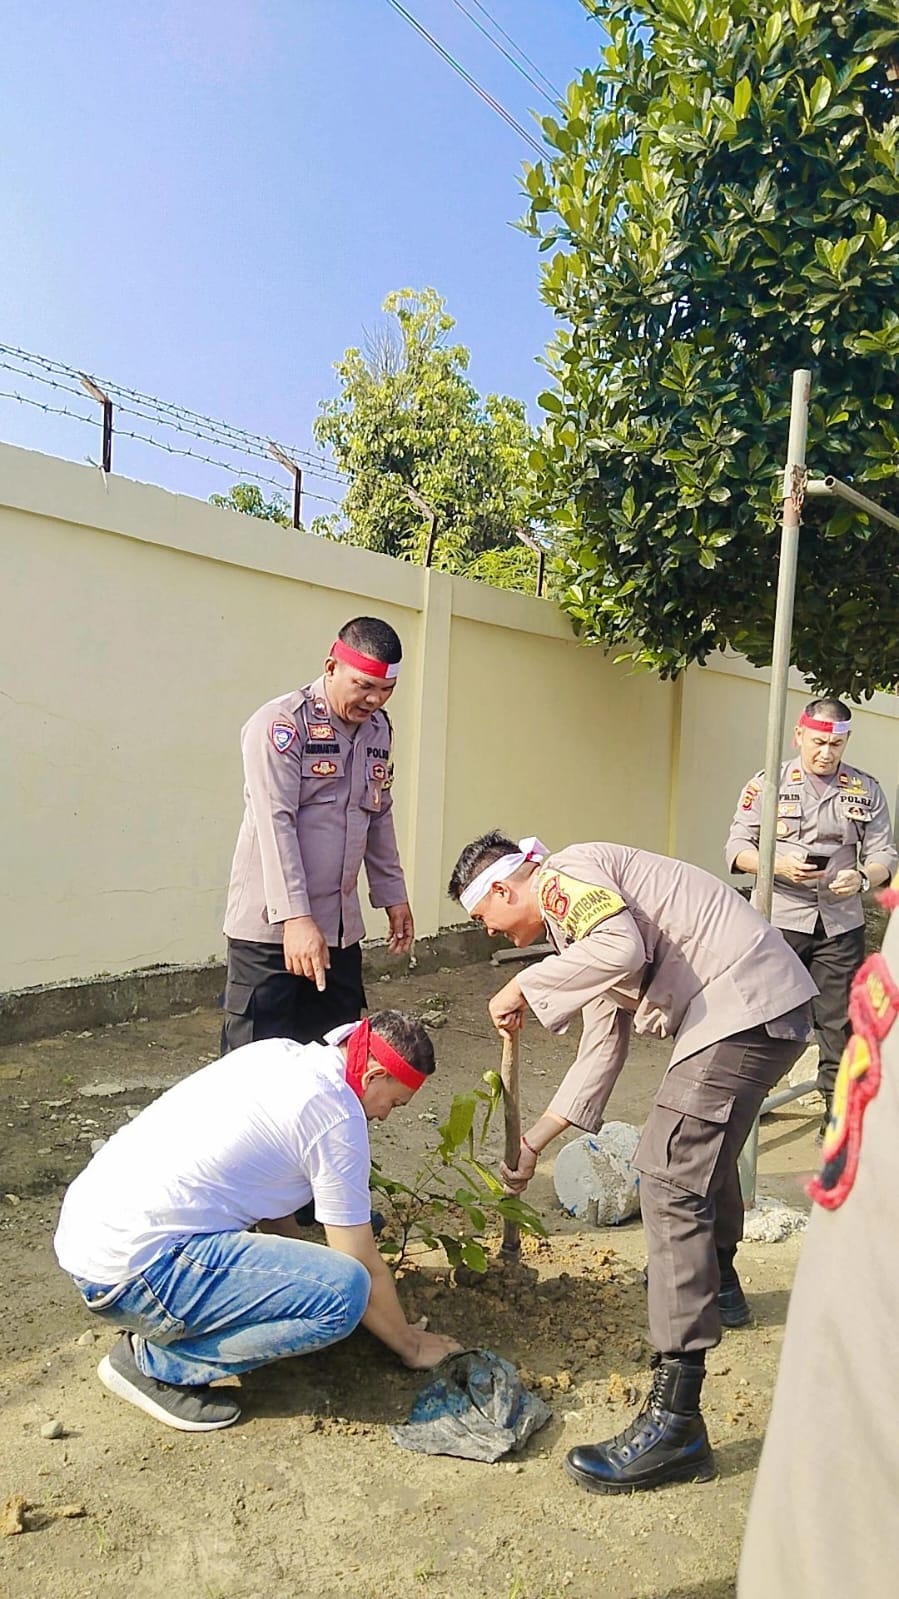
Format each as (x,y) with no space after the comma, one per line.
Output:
(750,794)
(873,1008)
(282,735)
(576,907)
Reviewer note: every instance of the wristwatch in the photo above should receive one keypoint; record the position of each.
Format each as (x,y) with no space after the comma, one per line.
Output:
(866,881)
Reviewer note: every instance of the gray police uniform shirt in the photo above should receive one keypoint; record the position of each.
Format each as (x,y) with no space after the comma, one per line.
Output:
(844,817)
(823,1514)
(317,805)
(649,941)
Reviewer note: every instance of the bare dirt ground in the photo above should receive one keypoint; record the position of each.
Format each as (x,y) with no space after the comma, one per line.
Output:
(307,1495)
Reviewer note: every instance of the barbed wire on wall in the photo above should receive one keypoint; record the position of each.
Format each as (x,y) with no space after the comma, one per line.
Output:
(64,379)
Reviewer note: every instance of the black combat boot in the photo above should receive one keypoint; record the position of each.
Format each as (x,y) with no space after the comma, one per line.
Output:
(732,1306)
(666,1442)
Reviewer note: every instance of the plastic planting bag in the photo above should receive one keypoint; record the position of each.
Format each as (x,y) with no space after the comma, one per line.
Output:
(477,1408)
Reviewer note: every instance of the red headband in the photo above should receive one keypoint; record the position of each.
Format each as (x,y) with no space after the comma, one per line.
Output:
(817,726)
(361,1044)
(364,663)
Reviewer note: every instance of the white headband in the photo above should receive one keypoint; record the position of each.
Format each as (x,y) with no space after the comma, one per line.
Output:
(529,849)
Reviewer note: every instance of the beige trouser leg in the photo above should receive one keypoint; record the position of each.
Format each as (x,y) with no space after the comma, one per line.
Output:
(689,1192)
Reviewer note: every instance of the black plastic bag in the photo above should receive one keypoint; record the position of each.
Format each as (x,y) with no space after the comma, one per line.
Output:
(477,1408)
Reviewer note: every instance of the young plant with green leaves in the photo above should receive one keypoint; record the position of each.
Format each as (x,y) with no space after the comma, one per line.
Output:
(453,1198)
(722,207)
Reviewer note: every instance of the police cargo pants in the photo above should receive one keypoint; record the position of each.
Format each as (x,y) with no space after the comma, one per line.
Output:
(689,1190)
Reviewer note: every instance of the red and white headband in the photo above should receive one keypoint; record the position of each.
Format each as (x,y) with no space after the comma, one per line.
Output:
(388,670)
(529,849)
(363,1043)
(836,729)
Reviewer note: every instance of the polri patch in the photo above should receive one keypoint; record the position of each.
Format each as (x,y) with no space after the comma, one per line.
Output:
(379,771)
(873,1008)
(748,796)
(575,906)
(323,768)
(282,735)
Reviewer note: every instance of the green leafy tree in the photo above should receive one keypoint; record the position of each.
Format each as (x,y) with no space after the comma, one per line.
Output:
(407,417)
(248,498)
(721,208)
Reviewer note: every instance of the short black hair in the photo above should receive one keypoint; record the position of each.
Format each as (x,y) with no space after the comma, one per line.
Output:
(370,636)
(407,1036)
(829,710)
(477,855)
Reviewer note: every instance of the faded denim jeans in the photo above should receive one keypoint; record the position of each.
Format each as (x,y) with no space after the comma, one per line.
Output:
(216,1304)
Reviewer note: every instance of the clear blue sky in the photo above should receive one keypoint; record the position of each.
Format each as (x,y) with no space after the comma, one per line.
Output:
(207,200)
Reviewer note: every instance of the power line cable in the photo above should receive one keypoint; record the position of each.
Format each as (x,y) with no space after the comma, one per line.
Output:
(488,98)
(554,95)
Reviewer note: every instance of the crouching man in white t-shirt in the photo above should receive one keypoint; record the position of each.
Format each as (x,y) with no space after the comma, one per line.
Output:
(156,1231)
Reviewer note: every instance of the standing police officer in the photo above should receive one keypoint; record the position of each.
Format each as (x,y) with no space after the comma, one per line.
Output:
(643,938)
(834,841)
(318,772)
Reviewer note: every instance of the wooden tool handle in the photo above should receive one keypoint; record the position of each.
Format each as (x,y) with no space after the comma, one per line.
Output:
(512,1115)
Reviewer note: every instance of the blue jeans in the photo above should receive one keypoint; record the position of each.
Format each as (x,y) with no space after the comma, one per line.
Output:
(216,1304)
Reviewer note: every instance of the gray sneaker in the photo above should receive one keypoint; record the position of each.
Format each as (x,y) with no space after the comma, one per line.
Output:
(189,1409)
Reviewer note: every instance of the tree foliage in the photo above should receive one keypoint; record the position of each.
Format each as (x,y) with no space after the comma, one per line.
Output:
(721,208)
(248,498)
(407,416)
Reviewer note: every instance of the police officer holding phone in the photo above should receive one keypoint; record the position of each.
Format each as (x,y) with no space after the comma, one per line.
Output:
(834,841)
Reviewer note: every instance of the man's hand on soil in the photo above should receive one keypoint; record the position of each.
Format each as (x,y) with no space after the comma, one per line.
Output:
(306,950)
(427,1349)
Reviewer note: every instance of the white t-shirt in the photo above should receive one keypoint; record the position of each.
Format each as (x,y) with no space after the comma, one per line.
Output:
(254,1135)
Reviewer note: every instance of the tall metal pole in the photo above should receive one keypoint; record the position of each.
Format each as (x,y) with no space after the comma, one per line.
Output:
(793,495)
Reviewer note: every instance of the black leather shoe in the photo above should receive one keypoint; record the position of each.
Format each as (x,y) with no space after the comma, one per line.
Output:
(732,1304)
(825,1119)
(666,1442)
(733,1307)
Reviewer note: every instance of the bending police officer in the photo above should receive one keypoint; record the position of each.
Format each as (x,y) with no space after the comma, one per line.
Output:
(646,941)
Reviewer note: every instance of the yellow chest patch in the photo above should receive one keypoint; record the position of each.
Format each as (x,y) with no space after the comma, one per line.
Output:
(576,907)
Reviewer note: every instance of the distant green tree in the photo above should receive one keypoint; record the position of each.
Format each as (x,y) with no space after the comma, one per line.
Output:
(248,498)
(722,207)
(408,417)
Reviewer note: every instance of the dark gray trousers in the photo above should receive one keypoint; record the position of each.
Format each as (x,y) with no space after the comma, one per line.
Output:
(831,963)
(689,1189)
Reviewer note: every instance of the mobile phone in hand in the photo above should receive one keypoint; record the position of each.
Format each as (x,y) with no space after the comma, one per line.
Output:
(819,862)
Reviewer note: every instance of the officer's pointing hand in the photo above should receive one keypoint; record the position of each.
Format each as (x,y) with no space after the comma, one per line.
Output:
(402,929)
(306,951)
